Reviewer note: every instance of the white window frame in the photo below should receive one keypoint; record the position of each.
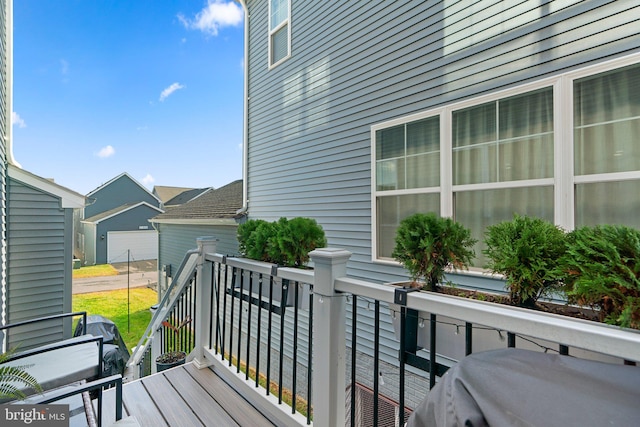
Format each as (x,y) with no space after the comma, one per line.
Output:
(563,181)
(271,32)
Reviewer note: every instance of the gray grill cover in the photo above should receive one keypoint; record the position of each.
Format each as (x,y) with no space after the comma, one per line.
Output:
(514,387)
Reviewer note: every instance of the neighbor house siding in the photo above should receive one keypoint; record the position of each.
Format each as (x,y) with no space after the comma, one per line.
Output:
(356,64)
(176,239)
(121,191)
(39,262)
(130,220)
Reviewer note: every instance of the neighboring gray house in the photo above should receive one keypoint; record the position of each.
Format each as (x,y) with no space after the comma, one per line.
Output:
(115,225)
(36,223)
(359,114)
(212,213)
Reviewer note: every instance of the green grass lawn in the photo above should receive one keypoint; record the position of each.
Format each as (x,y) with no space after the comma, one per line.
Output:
(94,271)
(113,306)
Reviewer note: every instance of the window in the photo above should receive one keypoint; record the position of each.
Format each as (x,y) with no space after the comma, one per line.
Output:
(279,31)
(606,141)
(564,149)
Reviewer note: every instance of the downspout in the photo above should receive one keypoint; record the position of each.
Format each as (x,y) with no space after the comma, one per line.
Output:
(245,131)
(9,41)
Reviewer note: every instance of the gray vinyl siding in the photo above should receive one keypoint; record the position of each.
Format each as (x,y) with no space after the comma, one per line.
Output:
(39,262)
(368,62)
(119,192)
(175,240)
(356,64)
(130,220)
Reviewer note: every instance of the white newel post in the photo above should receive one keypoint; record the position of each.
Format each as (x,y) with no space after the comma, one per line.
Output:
(329,324)
(203,292)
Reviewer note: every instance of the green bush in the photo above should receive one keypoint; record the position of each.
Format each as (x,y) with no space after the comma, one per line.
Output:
(526,251)
(296,238)
(284,242)
(603,271)
(244,233)
(426,245)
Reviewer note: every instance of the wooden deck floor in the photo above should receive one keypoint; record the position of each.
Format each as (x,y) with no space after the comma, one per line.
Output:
(184,396)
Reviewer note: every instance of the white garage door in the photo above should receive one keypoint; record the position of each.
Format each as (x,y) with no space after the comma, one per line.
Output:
(138,244)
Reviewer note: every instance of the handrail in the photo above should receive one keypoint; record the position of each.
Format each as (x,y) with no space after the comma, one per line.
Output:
(588,335)
(181,279)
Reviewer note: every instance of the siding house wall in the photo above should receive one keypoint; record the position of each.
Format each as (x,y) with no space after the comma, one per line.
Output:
(176,239)
(39,262)
(357,64)
(120,191)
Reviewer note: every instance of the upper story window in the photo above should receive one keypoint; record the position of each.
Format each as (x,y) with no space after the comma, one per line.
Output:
(279,31)
(563,149)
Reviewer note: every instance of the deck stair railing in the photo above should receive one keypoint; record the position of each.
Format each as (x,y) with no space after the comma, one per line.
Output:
(178,305)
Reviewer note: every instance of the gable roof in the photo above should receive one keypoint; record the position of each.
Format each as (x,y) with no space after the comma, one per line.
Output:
(212,207)
(68,198)
(117,211)
(166,193)
(123,174)
(186,196)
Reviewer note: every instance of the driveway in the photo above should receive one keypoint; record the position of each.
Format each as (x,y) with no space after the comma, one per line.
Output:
(134,275)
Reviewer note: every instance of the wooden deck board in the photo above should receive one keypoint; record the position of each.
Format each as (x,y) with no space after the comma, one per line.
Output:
(197,398)
(240,410)
(139,404)
(108,407)
(184,396)
(170,403)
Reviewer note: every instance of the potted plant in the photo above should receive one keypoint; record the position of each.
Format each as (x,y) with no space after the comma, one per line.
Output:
(427,246)
(602,270)
(283,243)
(527,251)
(173,357)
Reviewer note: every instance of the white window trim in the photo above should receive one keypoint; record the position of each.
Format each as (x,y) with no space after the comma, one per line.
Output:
(270,33)
(563,181)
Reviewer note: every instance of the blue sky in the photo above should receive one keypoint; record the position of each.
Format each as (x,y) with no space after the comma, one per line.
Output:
(152,88)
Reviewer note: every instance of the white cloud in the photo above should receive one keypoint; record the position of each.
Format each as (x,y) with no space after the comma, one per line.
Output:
(17,120)
(105,152)
(168,91)
(215,15)
(148,180)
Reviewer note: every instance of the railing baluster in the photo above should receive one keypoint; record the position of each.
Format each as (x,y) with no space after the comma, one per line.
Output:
(259,333)
(224,308)
(310,355)
(269,335)
(511,340)
(564,350)
(283,289)
(433,370)
(295,348)
(403,356)
(240,293)
(376,362)
(468,338)
(354,339)
(246,375)
(233,304)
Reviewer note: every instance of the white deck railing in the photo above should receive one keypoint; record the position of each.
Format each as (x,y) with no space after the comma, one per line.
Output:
(328,314)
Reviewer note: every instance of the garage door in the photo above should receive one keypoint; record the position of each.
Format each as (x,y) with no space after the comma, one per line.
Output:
(139,244)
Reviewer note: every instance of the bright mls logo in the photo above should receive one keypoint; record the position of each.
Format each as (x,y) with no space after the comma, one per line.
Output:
(34,415)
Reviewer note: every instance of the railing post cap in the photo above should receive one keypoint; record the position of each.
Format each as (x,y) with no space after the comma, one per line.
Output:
(330,254)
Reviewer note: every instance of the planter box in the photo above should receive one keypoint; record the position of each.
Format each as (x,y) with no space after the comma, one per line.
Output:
(283,289)
(450,334)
